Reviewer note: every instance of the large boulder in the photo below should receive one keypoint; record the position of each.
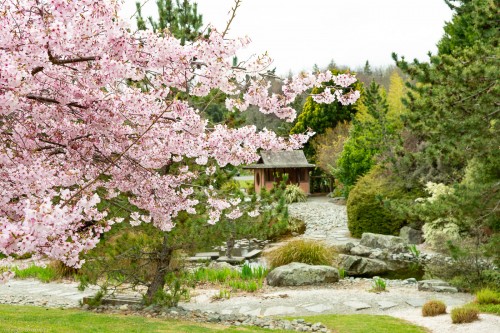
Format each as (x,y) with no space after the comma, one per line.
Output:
(298,274)
(411,236)
(360,266)
(377,241)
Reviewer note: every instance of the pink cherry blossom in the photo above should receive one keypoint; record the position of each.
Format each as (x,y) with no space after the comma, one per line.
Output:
(68,117)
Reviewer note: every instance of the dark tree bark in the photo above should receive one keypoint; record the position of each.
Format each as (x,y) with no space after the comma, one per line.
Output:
(162,267)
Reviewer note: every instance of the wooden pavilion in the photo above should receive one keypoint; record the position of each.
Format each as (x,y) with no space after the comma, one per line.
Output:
(272,165)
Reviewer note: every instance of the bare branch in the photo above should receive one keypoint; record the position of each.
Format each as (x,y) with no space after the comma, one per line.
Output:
(237,3)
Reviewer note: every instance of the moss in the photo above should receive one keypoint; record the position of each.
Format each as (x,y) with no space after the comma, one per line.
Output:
(366,210)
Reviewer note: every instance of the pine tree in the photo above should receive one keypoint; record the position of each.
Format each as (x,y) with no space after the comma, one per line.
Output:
(181,19)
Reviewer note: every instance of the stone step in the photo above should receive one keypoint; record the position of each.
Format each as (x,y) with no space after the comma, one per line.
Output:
(212,255)
(232,260)
(252,254)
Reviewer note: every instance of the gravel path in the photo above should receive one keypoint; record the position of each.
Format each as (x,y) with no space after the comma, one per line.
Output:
(34,292)
(324,220)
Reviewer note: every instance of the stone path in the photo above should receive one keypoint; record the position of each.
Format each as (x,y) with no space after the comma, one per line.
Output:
(33,292)
(324,220)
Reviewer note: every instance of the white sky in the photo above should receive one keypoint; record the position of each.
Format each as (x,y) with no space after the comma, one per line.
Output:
(298,34)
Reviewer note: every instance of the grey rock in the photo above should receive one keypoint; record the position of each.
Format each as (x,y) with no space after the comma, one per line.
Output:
(361,250)
(436,285)
(411,236)
(382,241)
(298,274)
(360,266)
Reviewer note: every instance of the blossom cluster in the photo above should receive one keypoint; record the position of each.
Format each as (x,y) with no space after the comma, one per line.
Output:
(71,122)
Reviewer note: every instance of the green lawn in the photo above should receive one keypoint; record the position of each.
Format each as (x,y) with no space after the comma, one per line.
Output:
(31,319)
(361,323)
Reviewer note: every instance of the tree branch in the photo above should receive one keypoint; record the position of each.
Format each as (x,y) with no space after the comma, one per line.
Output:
(237,3)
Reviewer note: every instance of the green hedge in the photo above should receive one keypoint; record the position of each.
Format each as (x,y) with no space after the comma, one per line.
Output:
(366,210)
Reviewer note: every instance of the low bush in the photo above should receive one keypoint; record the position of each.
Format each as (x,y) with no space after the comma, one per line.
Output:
(464,314)
(433,308)
(487,296)
(303,251)
(366,209)
(293,193)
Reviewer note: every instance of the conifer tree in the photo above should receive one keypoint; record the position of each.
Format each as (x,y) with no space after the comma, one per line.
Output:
(181,19)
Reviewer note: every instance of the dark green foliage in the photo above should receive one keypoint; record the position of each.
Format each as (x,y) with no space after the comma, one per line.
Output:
(180,18)
(366,208)
(453,105)
(367,139)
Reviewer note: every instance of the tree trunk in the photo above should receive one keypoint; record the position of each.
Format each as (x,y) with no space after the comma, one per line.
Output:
(229,247)
(162,266)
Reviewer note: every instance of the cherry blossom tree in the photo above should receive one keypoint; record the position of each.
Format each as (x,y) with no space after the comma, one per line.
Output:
(71,122)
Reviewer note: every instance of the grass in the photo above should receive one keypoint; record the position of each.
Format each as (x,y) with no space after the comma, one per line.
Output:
(44,274)
(464,314)
(31,319)
(249,279)
(487,301)
(361,323)
(378,285)
(433,308)
(303,251)
(37,320)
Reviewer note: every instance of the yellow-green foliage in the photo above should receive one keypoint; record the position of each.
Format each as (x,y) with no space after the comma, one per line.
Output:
(487,296)
(464,314)
(303,251)
(365,206)
(433,308)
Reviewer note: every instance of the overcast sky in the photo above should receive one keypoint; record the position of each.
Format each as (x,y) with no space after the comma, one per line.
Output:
(298,34)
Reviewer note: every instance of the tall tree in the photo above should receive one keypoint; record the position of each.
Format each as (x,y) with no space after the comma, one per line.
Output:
(454,103)
(70,127)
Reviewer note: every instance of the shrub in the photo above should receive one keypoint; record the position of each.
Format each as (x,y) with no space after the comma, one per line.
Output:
(303,251)
(464,314)
(487,296)
(433,308)
(293,193)
(366,210)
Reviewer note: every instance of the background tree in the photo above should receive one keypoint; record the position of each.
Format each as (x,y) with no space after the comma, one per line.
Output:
(181,19)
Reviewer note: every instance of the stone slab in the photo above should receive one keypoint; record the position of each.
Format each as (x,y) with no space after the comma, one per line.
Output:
(384,305)
(318,308)
(212,255)
(279,310)
(252,254)
(356,305)
(416,302)
(233,260)
(198,258)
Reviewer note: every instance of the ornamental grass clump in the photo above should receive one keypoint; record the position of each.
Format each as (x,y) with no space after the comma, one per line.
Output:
(487,296)
(433,308)
(464,314)
(294,193)
(302,251)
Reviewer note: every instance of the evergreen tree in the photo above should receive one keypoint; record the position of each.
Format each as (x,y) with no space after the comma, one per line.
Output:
(454,104)
(368,137)
(181,19)
(367,70)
